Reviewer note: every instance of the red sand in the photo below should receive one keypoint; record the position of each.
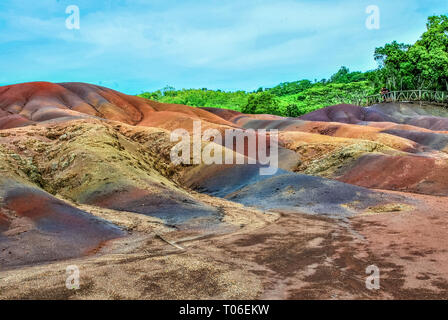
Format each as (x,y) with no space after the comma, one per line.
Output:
(408,245)
(42,228)
(4,222)
(40,101)
(404,173)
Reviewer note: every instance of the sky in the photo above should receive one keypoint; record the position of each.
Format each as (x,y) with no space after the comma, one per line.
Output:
(143,45)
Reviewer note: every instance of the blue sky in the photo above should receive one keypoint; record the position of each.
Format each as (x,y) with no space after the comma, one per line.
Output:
(143,45)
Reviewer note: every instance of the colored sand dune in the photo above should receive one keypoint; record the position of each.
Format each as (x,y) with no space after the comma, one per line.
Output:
(96,147)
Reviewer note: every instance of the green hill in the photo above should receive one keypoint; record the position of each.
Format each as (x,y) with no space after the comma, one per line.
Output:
(423,65)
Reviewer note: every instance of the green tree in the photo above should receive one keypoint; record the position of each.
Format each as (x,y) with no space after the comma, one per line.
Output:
(169,91)
(260,103)
(429,56)
(345,76)
(292,111)
(156,95)
(288,88)
(423,65)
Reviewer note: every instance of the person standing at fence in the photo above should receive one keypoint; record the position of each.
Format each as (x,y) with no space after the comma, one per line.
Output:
(385,93)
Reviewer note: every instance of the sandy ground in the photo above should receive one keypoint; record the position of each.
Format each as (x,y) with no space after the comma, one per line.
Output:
(256,255)
(107,154)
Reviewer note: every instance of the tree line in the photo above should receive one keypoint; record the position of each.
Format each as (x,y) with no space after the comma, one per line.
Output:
(420,66)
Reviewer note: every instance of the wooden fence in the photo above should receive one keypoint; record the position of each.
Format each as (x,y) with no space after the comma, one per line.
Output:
(439,97)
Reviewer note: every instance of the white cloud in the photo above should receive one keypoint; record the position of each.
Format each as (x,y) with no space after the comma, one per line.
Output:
(217,39)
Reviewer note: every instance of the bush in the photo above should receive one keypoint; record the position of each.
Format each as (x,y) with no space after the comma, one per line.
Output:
(260,103)
(292,111)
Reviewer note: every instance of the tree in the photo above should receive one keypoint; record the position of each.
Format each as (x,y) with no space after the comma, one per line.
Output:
(288,88)
(423,65)
(169,91)
(292,111)
(429,56)
(156,95)
(341,76)
(345,76)
(260,103)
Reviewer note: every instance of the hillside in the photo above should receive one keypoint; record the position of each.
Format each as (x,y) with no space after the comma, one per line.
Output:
(87,176)
(290,99)
(419,66)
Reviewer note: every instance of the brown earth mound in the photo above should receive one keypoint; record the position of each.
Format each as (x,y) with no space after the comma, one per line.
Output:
(85,170)
(416,174)
(35,227)
(41,101)
(370,147)
(420,115)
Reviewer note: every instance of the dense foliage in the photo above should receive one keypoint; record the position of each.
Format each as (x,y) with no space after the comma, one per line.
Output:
(423,65)
(200,97)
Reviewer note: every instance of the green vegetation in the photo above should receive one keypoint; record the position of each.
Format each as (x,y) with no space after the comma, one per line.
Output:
(290,99)
(200,97)
(261,103)
(423,65)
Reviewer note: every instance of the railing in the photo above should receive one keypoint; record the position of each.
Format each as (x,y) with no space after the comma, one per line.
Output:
(439,97)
